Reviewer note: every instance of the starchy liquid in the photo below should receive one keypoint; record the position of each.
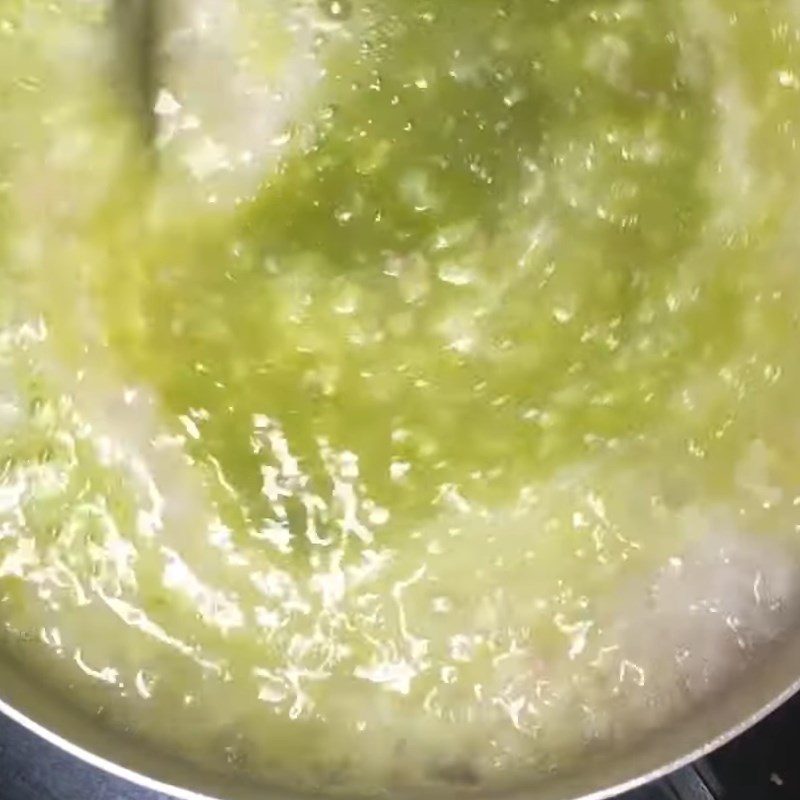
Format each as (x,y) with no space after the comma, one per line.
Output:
(419,406)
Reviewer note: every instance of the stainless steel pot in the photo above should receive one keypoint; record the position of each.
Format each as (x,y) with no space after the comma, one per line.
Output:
(762,687)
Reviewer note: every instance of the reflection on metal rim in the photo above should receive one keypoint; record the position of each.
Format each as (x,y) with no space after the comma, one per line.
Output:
(601,793)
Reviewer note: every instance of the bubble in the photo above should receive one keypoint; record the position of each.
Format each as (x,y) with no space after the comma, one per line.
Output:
(340,10)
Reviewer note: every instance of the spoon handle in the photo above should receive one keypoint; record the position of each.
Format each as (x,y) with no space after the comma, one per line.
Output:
(135,31)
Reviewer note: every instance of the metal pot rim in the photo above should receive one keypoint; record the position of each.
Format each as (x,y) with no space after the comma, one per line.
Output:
(705,731)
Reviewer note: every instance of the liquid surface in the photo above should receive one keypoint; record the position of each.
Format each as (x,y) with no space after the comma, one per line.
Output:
(424,410)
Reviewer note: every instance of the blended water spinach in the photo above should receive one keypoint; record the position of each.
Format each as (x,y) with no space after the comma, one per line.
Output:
(415,403)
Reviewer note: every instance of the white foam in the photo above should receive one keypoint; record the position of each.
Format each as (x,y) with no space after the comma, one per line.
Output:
(222,115)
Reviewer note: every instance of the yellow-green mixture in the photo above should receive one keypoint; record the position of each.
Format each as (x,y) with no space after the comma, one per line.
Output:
(419,404)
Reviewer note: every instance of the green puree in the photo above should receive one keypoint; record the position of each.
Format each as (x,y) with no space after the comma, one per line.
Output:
(457,242)
(370,463)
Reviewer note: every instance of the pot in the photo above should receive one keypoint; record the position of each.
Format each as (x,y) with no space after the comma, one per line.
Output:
(765,684)
(758,691)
